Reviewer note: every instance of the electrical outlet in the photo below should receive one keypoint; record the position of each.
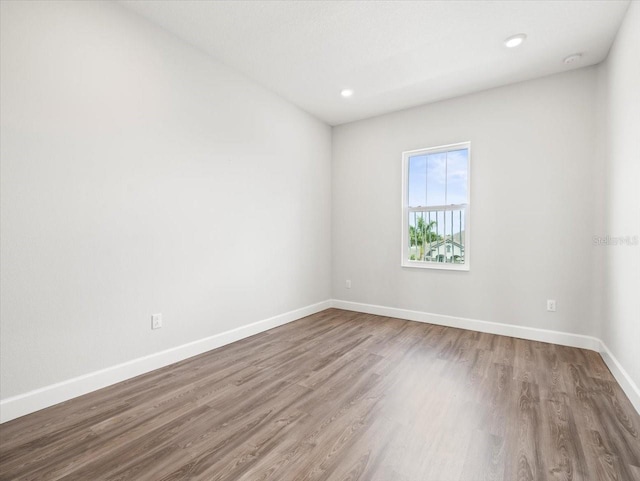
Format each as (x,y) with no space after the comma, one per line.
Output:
(348,283)
(156,321)
(551,305)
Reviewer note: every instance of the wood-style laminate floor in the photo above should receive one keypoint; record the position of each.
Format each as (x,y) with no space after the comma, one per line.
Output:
(344,396)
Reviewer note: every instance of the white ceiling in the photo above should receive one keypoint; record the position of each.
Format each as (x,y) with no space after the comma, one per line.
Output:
(394,54)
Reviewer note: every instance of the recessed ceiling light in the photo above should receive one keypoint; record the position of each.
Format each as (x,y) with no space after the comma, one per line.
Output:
(515,40)
(572,58)
(346,93)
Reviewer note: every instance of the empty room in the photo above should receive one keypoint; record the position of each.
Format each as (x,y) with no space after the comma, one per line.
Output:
(320,240)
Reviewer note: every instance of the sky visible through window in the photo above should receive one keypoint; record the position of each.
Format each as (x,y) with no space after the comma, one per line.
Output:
(439,179)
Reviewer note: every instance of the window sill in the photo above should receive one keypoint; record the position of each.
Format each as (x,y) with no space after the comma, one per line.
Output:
(437,266)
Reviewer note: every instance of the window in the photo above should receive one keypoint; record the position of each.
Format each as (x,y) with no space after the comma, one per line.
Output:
(435,207)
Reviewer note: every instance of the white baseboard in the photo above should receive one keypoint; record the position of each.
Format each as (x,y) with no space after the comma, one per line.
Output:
(629,387)
(511,330)
(32,401)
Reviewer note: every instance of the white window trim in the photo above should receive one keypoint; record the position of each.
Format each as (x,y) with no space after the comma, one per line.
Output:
(405,262)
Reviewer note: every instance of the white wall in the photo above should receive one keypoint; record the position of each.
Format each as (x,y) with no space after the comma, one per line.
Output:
(619,91)
(533,175)
(139,176)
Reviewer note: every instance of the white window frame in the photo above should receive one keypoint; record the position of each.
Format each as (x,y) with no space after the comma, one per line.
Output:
(405,261)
